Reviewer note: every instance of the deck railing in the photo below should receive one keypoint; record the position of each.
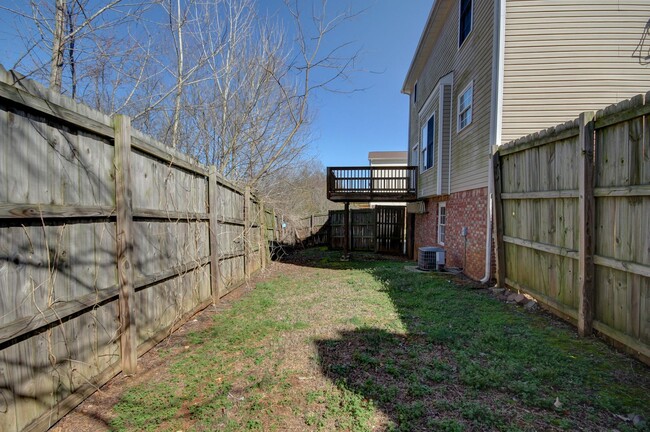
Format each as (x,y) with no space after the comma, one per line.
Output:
(387,183)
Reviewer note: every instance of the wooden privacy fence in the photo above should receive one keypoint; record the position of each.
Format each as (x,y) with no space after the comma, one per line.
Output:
(307,231)
(379,229)
(572,208)
(108,242)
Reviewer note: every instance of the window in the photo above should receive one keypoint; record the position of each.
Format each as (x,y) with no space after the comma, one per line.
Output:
(415,93)
(414,156)
(465,101)
(465,21)
(442,222)
(426,147)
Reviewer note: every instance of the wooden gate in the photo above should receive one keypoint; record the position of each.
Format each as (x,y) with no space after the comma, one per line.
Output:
(337,230)
(380,229)
(390,232)
(363,230)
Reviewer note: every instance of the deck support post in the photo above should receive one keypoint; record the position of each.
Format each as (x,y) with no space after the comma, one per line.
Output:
(346,229)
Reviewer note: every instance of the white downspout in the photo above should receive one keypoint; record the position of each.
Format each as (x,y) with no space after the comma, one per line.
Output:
(498,48)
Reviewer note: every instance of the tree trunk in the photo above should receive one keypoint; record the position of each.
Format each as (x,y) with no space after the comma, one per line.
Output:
(58,46)
(71,53)
(179,87)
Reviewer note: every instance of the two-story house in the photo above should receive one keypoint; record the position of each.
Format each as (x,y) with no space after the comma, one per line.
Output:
(490,71)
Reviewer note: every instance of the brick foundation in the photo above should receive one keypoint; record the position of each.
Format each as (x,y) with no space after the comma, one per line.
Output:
(464,209)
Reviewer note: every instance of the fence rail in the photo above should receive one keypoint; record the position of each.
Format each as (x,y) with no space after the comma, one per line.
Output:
(108,242)
(572,224)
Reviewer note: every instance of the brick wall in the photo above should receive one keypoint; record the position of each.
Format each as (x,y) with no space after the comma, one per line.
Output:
(464,209)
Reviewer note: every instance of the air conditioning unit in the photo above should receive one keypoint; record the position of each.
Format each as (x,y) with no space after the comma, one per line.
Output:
(431,258)
(416,207)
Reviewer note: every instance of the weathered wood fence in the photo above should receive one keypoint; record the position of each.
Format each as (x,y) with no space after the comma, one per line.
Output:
(573,221)
(362,229)
(307,231)
(108,242)
(378,229)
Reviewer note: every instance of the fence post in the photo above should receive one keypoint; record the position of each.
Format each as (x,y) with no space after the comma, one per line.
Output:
(498,222)
(247,227)
(124,227)
(263,241)
(275,227)
(587,216)
(330,244)
(213,200)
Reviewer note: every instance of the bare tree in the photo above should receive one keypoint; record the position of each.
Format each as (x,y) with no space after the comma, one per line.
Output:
(57,26)
(212,78)
(240,111)
(299,191)
(179,73)
(58,45)
(250,115)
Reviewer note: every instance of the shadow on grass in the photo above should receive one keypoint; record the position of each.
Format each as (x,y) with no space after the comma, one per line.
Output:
(470,362)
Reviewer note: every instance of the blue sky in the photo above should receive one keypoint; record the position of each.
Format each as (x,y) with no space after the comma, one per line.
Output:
(349,125)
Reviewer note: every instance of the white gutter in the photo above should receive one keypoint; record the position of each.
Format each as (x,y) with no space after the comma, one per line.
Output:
(498,48)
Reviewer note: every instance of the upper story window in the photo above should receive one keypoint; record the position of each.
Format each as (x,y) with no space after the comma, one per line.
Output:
(426,146)
(415,93)
(465,20)
(465,102)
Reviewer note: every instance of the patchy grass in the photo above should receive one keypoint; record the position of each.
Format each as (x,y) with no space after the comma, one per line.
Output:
(366,345)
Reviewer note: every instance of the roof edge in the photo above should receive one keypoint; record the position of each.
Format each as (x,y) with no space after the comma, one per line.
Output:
(425,43)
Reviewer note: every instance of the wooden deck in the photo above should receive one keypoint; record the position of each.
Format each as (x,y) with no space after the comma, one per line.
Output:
(376,184)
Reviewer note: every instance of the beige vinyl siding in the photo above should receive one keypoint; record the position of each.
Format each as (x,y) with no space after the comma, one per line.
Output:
(562,58)
(427,183)
(472,62)
(470,147)
(439,64)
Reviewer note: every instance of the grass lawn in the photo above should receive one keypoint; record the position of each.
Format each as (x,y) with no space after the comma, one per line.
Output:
(368,345)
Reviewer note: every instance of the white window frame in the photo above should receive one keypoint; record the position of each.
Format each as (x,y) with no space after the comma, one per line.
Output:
(442,222)
(415,93)
(471,21)
(465,109)
(415,155)
(423,148)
